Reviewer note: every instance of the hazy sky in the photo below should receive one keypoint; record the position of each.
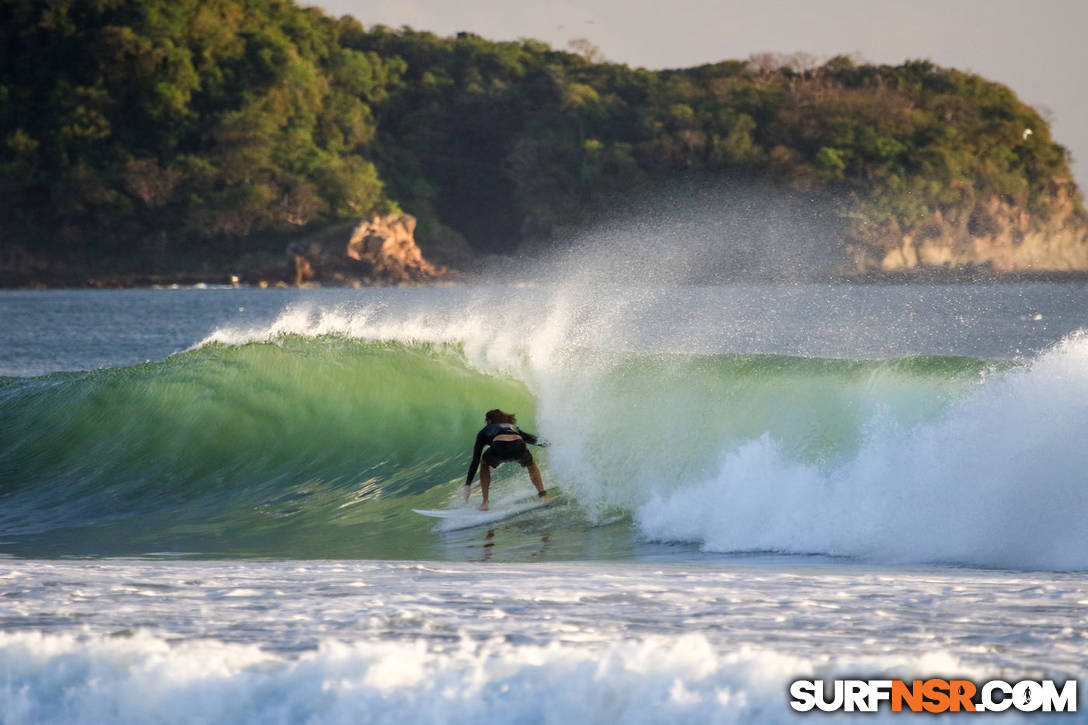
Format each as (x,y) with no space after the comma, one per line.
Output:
(1036,47)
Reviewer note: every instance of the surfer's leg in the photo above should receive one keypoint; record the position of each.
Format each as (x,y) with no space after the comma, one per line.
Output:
(534,476)
(485,482)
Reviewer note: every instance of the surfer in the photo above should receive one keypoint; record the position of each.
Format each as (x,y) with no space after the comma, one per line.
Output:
(506,443)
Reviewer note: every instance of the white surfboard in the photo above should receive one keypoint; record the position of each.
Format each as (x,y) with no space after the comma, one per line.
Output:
(464,518)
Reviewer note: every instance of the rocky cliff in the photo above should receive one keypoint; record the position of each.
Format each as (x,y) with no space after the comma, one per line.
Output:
(990,233)
(380,250)
(386,245)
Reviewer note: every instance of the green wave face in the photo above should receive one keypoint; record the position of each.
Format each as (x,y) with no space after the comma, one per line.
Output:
(300,448)
(318,447)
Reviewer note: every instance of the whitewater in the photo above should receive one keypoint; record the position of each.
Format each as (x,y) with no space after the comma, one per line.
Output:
(207,498)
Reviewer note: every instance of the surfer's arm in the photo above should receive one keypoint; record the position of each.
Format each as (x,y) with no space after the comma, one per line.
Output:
(477,451)
(532,439)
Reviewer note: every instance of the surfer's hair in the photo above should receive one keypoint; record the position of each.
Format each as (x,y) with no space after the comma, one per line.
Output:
(497,416)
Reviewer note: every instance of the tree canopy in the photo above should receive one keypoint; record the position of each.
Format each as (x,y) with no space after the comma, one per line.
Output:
(136,127)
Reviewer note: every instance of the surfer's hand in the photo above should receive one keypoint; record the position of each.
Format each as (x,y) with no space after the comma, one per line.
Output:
(468,491)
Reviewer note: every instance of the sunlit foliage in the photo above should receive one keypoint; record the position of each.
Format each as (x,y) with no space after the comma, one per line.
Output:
(138,125)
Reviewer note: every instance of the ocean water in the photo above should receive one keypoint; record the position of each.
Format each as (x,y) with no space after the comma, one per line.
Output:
(205,499)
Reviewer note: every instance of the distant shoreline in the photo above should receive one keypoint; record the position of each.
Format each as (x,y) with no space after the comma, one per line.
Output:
(196,281)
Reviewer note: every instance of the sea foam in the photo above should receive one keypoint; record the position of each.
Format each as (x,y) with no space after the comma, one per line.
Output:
(142,678)
(996,479)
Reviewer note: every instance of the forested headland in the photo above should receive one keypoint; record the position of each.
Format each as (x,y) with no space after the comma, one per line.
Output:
(181,137)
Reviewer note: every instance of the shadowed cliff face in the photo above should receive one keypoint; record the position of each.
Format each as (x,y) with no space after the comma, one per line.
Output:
(991,233)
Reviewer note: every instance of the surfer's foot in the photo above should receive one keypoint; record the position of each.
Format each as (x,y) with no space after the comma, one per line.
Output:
(482,507)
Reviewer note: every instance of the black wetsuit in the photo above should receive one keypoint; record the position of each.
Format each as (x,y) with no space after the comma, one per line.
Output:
(500,451)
